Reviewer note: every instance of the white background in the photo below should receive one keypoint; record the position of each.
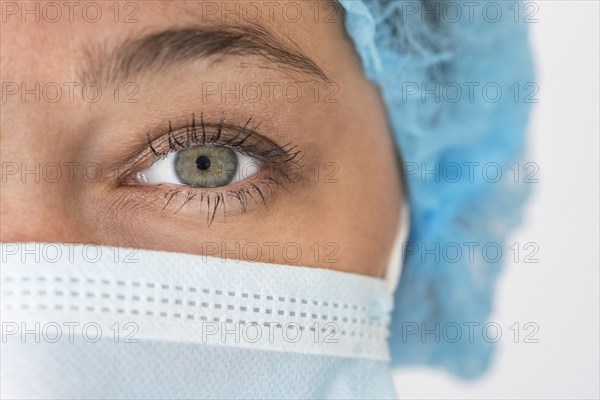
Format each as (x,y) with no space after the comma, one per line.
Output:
(560,293)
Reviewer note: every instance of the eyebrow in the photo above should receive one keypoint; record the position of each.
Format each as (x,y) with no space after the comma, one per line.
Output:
(157,52)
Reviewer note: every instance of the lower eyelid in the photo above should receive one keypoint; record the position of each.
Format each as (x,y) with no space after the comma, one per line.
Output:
(209,205)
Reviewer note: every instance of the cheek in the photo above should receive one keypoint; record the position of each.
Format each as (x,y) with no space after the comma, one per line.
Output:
(370,183)
(356,212)
(372,212)
(353,203)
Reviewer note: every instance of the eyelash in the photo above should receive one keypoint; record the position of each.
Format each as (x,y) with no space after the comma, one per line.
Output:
(242,142)
(274,159)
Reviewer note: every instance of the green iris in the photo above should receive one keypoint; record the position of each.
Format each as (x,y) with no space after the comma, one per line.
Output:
(206,166)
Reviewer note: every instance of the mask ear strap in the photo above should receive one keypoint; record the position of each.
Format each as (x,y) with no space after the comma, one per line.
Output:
(394,268)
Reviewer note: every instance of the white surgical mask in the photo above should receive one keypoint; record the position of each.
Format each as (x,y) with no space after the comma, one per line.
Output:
(99,322)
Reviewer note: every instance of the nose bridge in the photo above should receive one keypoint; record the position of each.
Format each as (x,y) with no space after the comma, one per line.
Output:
(32,201)
(39,155)
(37,182)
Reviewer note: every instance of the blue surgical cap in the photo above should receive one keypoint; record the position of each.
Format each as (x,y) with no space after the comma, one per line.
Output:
(457,81)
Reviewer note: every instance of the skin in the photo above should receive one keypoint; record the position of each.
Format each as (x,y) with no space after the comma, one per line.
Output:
(350,210)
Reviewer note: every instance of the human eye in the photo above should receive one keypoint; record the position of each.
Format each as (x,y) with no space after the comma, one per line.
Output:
(203,166)
(213,163)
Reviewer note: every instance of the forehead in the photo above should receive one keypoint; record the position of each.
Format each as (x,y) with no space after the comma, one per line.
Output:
(39,39)
(292,14)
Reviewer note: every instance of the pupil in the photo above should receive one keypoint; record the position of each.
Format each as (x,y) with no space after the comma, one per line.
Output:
(203,163)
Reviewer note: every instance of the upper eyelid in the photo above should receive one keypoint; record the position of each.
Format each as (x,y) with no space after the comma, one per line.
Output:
(192,131)
(221,133)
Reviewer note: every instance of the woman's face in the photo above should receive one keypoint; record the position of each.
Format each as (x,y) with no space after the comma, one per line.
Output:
(231,129)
